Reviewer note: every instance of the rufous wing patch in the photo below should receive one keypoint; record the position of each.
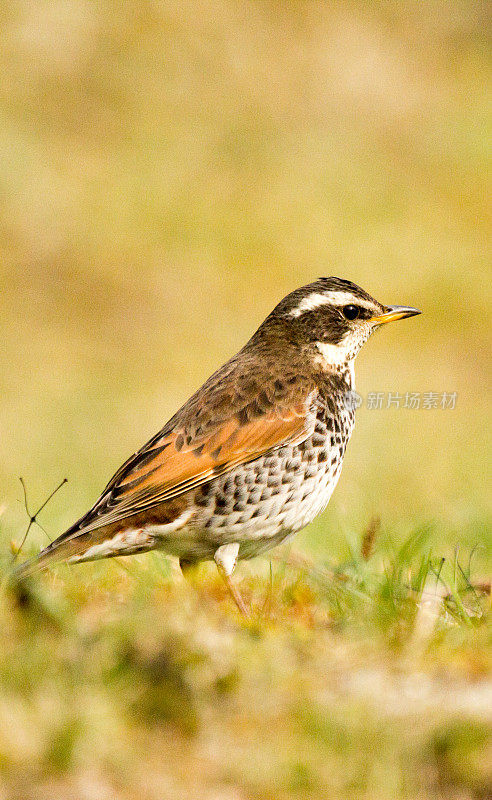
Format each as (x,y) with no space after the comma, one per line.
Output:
(177,462)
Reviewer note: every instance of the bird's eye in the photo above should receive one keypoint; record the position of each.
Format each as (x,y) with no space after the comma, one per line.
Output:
(350,312)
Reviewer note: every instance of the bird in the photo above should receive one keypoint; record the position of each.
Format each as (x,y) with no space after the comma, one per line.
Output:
(253,456)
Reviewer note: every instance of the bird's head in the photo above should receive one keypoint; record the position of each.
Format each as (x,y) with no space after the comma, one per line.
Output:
(330,319)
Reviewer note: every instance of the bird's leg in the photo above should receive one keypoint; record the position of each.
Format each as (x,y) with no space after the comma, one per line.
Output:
(226,558)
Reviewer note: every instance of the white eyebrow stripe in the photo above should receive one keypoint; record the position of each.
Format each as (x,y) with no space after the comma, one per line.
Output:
(317,299)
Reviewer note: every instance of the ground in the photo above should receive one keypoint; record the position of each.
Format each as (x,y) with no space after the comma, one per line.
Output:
(367,680)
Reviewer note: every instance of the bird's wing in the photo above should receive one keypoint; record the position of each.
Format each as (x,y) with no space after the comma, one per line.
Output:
(182,457)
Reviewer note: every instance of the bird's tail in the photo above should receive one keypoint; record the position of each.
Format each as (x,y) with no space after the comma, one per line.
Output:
(29,567)
(81,545)
(59,550)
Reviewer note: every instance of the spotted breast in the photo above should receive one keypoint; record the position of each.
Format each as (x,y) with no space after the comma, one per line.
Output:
(262,502)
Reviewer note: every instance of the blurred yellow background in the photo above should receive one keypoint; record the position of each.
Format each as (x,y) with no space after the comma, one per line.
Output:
(169,171)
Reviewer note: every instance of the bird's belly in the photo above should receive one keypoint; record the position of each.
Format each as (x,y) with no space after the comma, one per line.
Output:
(261,503)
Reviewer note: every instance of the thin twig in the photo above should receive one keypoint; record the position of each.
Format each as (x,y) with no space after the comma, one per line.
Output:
(33,517)
(471,587)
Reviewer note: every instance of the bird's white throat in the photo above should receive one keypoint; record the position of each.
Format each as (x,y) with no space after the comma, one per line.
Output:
(337,358)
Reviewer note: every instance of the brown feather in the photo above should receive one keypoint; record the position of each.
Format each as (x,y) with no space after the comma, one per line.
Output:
(174,471)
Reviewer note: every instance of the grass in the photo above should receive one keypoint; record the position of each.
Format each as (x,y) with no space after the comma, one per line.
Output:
(368,678)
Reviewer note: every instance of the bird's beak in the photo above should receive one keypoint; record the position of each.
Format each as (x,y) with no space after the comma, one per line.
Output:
(393,313)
